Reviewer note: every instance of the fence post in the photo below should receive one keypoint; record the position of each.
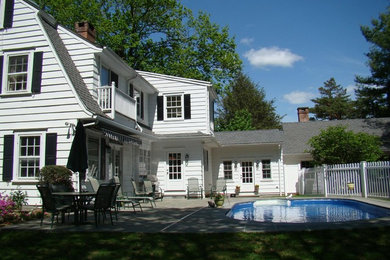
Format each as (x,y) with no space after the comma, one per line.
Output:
(363,174)
(325,180)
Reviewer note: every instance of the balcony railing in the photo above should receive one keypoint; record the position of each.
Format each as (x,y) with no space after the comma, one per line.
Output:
(112,100)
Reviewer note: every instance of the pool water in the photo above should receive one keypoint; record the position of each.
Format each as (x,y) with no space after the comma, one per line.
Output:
(306,210)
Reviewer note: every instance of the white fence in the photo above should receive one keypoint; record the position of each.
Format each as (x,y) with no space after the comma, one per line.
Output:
(367,179)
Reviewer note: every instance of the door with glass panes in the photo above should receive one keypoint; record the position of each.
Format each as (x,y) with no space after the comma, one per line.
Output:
(247,176)
(174,171)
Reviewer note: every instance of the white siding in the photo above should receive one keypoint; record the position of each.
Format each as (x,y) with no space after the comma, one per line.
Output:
(198,90)
(193,169)
(48,110)
(250,153)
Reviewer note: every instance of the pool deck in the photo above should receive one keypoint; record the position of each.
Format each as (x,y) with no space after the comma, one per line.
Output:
(178,215)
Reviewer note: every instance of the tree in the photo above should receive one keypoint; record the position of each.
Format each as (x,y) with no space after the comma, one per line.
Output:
(336,145)
(334,103)
(156,35)
(245,102)
(242,120)
(373,94)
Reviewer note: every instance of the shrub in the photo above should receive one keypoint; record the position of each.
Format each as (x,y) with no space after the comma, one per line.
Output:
(56,174)
(19,198)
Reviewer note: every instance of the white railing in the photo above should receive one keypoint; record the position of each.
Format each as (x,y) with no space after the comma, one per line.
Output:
(367,179)
(112,100)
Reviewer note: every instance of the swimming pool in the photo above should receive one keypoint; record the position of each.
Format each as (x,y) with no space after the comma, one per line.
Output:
(306,210)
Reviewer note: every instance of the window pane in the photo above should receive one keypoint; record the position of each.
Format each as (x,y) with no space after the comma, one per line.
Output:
(29,157)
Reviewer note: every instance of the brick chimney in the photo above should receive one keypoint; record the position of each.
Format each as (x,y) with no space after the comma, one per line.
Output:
(303,114)
(86,30)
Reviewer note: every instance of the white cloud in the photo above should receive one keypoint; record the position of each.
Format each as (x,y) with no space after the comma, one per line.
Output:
(299,97)
(272,56)
(247,41)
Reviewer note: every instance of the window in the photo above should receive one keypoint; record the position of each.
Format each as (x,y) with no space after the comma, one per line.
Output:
(174,106)
(29,155)
(174,166)
(139,96)
(144,162)
(247,172)
(206,160)
(227,170)
(266,168)
(107,76)
(17,72)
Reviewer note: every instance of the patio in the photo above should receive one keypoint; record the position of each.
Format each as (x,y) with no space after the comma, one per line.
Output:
(191,216)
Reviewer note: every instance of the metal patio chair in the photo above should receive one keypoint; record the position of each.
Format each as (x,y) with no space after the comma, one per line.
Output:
(194,189)
(219,187)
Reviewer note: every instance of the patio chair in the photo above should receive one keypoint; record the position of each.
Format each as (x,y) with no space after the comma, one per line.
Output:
(102,202)
(123,199)
(50,205)
(142,195)
(148,188)
(194,189)
(219,187)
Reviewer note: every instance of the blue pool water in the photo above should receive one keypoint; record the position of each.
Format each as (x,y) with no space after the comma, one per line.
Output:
(306,210)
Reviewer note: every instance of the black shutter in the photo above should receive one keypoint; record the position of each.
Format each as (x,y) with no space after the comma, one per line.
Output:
(131,94)
(114,77)
(160,108)
(51,149)
(1,71)
(142,105)
(187,106)
(37,72)
(8,13)
(8,160)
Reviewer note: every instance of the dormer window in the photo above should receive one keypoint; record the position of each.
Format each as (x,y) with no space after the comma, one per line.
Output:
(174,106)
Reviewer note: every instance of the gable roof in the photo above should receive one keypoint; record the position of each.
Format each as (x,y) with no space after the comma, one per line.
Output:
(50,26)
(273,136)
(296,135)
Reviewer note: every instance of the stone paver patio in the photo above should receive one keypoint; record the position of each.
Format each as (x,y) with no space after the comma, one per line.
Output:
(194,215)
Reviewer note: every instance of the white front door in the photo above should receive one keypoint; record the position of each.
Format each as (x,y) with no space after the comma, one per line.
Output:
(247,176)
(174,172)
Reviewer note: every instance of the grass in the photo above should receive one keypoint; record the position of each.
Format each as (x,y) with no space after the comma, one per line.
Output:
(370,243)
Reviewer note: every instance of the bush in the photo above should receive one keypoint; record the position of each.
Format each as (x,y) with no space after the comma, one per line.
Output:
(56,174)
(336,145)
(19,198)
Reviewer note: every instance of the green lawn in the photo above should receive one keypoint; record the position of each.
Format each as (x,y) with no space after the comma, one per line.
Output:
(371,243)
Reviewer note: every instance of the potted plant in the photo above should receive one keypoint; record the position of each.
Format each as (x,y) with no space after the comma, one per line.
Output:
(351,185)
(59,178)
(257,189)
(237,190)
(219,199)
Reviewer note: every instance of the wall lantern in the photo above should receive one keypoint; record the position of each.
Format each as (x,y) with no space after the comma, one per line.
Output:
(257,164)
(235,164)
(186,158)
(71,129)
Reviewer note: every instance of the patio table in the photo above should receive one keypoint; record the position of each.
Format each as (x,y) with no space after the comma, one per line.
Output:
(78,200)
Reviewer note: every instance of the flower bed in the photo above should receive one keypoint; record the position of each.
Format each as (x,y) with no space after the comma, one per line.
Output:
(11,211)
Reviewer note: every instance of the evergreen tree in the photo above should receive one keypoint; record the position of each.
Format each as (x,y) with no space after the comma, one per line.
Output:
(333,104)
(244,102)
(373,94)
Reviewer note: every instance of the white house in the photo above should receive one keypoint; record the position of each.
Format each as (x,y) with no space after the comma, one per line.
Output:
(138,124)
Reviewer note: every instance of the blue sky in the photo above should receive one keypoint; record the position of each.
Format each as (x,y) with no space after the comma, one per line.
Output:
(291,47)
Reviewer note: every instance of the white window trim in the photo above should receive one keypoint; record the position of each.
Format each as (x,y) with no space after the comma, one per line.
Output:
(42,152)
(2,10)
(7,55)
(166,107)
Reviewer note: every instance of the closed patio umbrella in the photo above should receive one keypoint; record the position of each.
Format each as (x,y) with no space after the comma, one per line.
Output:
(78,155)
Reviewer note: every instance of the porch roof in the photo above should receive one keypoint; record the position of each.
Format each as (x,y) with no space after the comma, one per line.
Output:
(273,136)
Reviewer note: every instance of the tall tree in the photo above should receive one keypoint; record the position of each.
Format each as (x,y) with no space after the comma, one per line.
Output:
(156,35)
(245,102)
(334,103)
(373,94)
